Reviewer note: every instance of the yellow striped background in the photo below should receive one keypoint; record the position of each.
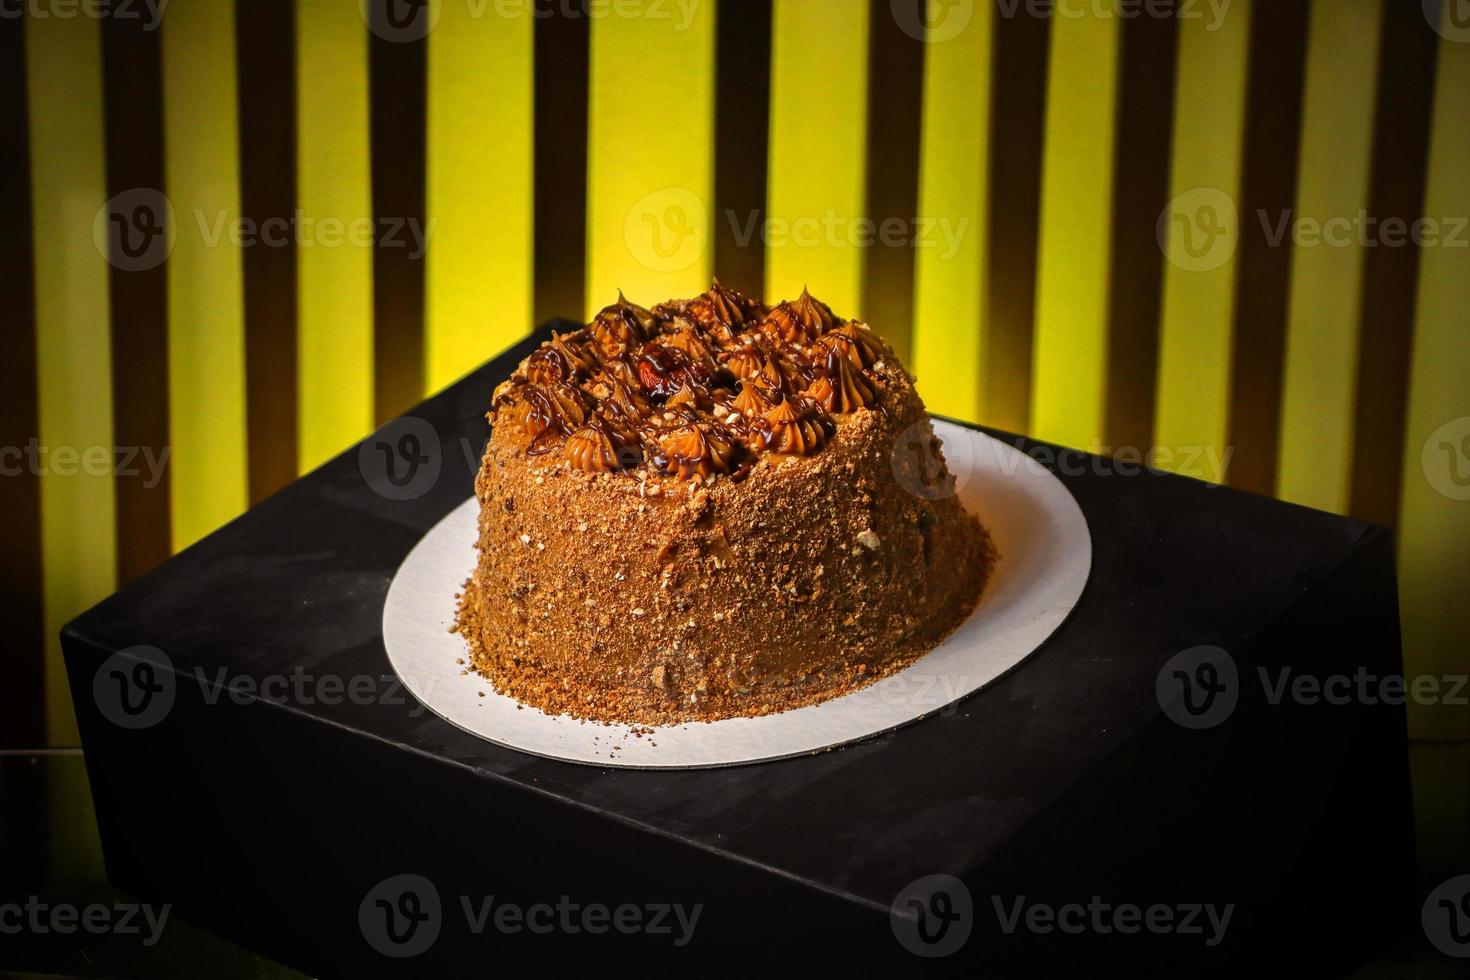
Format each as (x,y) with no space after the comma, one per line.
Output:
(335,319)
(650,211)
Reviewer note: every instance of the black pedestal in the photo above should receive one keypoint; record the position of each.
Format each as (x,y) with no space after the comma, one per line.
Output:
(273,809)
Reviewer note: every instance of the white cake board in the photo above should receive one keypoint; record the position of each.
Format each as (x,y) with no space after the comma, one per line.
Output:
(1045,556)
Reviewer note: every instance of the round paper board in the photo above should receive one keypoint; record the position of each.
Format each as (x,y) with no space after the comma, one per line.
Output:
(1045,556)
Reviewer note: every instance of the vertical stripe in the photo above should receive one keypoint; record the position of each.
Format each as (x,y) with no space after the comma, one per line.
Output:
(1202,230)
(1017,139)
(951,322)
(23,695)
(480,195)
(1314,458)
(895,110)
(742,140)
(1140,191)
(265,41)
(334,259)
(206,325)
(397,69)
(649,202)
(815,195)
(1434,528)
(1262,270)
(562,88)
(73,350)
(137,290)
(1076,217)
(1406,63)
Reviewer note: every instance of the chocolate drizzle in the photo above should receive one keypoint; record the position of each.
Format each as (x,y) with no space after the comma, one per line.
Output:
(695,389)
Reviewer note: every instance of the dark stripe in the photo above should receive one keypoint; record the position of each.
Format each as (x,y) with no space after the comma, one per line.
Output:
(133,119)
(895,109)
(23,694)
(561,161)
(1406,63)
(1263,271)
(265,50)
(1140,191)
(398,83)
(1017,137)
(27,820)
(742,141)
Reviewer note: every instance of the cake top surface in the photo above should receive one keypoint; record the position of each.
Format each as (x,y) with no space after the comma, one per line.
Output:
(695,389)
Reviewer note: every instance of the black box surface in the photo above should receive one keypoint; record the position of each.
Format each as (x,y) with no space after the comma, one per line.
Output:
(1121,803)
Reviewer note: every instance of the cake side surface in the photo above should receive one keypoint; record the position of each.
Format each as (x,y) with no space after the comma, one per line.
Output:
(704,575)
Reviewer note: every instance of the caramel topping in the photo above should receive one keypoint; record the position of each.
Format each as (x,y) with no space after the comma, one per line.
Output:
(619,370)
(745,362)
(793,428)
(752,400)
(684,399)
(547,412)
(720,311)
(626,400)
(593,449)
(813,313)
(578,358)
(799,321)
(546,366)
(621,327)
(843,388)
(698,450)
(855,342)
(689,342)
(664,370)
(693,387)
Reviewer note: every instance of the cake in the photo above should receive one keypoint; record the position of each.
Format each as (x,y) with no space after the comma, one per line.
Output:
(700,511)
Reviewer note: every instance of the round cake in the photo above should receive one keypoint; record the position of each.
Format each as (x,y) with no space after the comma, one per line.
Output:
(711,509)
